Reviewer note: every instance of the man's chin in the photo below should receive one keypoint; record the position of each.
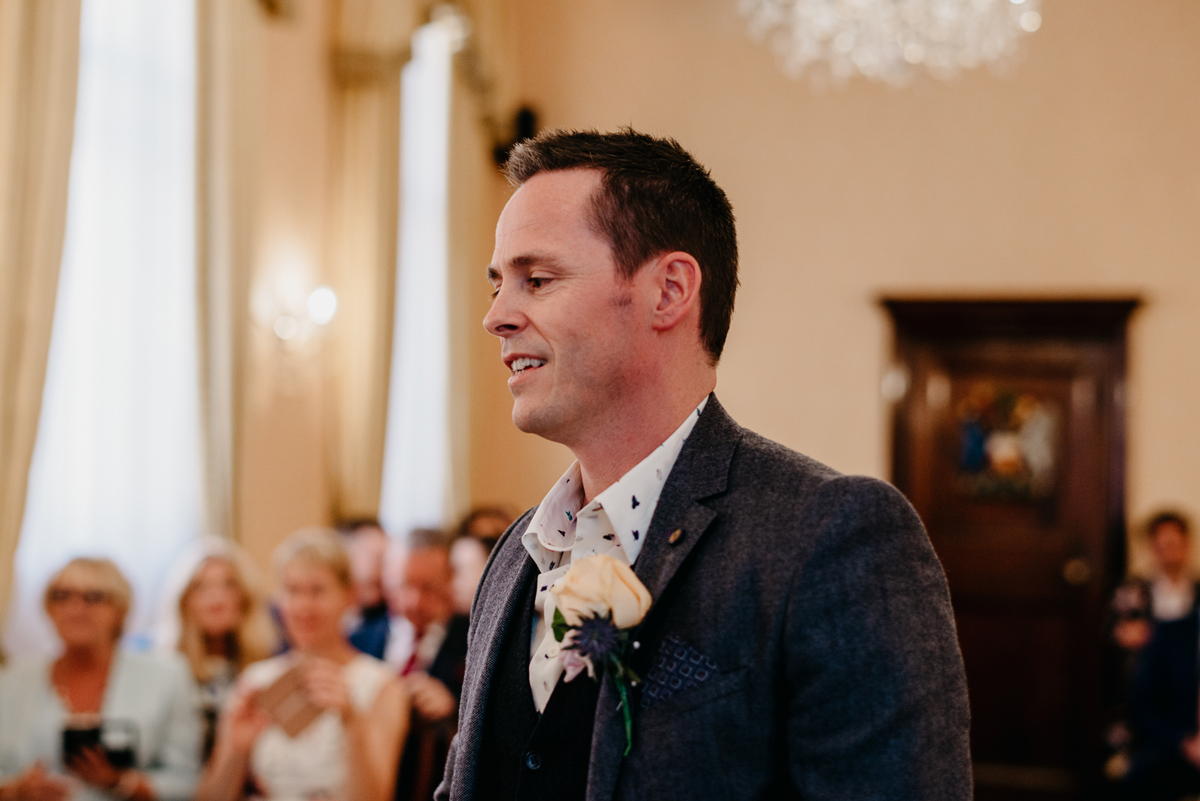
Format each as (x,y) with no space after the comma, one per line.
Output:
(524,419)
(534,419)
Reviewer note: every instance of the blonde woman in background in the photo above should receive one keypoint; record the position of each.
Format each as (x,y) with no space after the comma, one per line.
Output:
(350,751)
(145,699)
(223,625)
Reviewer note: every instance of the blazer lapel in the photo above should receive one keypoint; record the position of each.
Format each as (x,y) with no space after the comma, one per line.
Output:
(701,471)
(510,578)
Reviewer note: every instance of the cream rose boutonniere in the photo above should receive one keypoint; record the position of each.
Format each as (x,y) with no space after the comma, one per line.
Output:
(596,604)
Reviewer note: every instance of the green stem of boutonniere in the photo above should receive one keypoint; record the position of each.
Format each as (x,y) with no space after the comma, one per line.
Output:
(614,660)
(621,680)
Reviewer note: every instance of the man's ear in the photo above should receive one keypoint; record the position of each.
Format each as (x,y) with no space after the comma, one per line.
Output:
(677,283)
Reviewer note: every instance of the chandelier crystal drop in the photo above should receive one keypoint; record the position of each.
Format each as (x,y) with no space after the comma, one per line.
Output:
(890,40)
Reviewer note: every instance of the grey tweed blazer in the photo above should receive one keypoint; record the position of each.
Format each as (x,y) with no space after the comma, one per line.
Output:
(801,643)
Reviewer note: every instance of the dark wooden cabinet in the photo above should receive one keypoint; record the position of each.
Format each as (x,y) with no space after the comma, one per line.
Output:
(1009,441)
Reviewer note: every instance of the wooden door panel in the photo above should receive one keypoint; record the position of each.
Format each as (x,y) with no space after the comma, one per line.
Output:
(1009,443)
(1010,724)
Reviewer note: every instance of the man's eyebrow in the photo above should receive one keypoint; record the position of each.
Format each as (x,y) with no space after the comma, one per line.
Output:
(493,275)
(533,259)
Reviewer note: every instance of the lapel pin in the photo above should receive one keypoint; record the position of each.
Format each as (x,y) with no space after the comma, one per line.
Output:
(675,536)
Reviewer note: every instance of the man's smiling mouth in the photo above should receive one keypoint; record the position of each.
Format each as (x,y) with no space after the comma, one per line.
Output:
(521,365)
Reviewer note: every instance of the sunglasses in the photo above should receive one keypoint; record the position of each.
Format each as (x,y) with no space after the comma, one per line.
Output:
(60,595)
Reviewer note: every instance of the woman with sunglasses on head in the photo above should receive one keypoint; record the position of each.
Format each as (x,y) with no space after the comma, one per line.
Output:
(96,722)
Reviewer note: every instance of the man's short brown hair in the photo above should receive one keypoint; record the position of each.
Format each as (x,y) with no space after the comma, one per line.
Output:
(1169,517)
(654,198)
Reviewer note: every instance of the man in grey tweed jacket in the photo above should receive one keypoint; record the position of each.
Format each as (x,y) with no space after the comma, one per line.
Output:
(800,643)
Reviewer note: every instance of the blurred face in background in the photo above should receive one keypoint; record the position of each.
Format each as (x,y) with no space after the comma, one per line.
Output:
(489,526)
(215,600)
(312,604)
(1170,548)
(468,556)
(366,547)
(423,592)
(83,610)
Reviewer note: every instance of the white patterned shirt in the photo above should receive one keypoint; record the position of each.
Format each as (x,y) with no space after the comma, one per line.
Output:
(614,523)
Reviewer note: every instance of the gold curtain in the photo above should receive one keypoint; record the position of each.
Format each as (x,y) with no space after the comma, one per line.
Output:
(39,73)
(229,100)
(371,45)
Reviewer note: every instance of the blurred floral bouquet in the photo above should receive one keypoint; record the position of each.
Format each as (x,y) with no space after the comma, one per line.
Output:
(596,604)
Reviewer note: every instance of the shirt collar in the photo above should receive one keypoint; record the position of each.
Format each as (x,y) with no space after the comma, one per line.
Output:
(551,532)
(629,503)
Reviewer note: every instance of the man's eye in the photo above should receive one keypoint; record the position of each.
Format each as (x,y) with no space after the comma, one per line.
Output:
(538,283)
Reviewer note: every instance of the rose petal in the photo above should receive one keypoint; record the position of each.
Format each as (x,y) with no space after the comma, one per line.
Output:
(574,664)
(599,585)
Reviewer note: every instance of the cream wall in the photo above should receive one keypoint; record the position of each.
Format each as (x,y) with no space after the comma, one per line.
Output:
(1078,174)
(290,451)
(284,477)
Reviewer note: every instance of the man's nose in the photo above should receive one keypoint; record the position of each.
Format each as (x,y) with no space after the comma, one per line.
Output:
(503,318)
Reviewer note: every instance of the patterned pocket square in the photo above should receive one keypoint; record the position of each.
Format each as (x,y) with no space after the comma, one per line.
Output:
(677,667)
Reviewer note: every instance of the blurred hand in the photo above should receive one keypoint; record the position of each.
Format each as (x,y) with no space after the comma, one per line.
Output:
(432,699)
(92,765)
(241,722)
(1132,635)
(35,784)
(1191,750)
(327,686)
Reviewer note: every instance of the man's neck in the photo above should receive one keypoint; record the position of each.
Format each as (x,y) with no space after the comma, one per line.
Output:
(627,438)
(1173,575)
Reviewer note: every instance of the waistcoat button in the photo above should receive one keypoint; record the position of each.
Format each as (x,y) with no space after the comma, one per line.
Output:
(533,761)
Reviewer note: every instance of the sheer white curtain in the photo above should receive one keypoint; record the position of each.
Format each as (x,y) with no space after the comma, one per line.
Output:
(117,466)
(416,465)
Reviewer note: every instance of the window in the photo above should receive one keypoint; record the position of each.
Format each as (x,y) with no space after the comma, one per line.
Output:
(416,466)
(117,466)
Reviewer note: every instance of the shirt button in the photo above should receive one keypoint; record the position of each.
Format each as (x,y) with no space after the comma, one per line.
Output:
(533,761)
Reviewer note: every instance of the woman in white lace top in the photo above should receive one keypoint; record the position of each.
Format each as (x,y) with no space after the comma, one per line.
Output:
(350,748)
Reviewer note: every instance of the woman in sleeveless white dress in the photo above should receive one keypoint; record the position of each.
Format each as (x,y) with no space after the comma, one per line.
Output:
(350,751)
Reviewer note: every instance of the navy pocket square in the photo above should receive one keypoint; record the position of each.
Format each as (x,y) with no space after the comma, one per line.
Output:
(677,667)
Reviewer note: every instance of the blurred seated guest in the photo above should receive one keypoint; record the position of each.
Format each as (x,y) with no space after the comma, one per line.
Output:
(486,523)
(477,533)
(322,720)
(468,557)
(425,636)
(1169,594)
(366,542)
(429,644)
(223,625)
(97,722)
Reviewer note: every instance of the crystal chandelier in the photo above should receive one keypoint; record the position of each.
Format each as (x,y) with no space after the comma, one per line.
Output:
(890,40)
